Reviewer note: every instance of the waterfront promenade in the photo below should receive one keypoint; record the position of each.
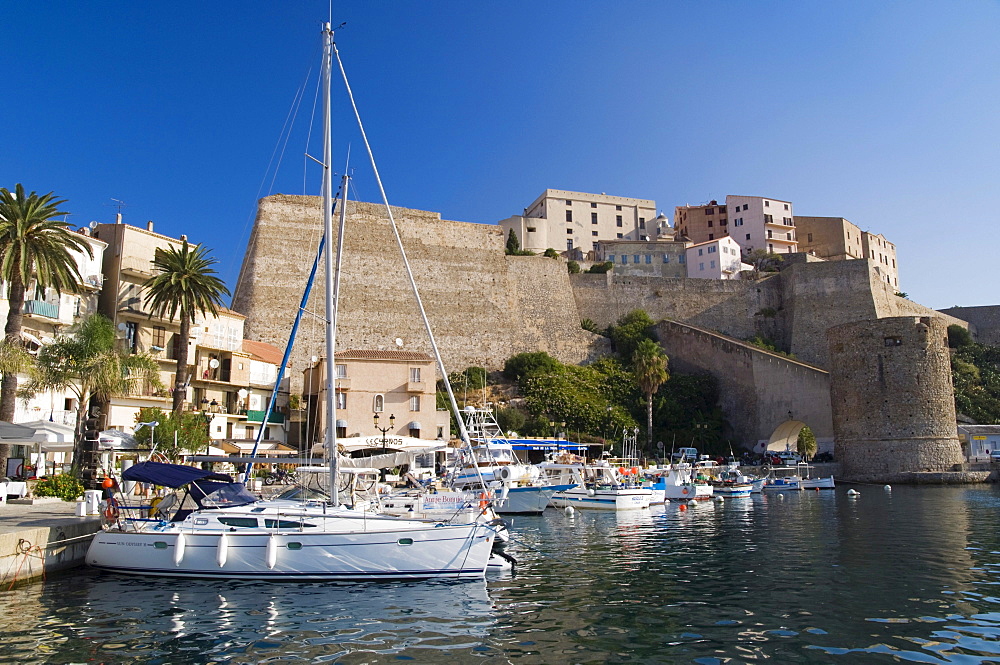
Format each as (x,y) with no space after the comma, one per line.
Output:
(41,538)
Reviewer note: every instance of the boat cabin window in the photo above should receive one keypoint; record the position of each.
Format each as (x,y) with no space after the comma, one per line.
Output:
(286,524)
(242,522)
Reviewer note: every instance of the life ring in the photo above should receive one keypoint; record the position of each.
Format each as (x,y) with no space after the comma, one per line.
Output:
(111,511)
(685,490)
(482,500)
(153,504)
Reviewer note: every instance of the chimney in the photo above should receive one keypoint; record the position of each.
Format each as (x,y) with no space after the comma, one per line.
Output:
(149,225)
(118,218)
(184,238)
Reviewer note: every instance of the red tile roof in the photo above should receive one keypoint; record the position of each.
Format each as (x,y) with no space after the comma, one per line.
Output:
(373,354)
(263,351)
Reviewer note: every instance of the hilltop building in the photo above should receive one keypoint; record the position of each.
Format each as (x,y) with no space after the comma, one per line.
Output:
(755,222)
(661,258)
(837,239)
(568,221)
(715,259)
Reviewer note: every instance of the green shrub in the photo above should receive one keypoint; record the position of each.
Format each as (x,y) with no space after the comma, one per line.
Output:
(573,267)
(525,364)
(601,268)
(551,253)
(958,336)
(64,486)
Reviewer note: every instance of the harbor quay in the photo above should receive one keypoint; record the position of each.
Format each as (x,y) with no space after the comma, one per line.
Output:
(42,536)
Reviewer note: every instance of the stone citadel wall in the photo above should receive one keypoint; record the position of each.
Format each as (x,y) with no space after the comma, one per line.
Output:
(984,321)
(757,389)
(483,306)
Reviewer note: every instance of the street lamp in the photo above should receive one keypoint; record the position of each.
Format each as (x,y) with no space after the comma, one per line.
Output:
(152,430)
(563,425)
(208,430)
(392,422)
(552,428)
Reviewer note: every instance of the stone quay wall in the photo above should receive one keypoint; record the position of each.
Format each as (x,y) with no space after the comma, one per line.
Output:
(757,388)
(892,398)
(483,306)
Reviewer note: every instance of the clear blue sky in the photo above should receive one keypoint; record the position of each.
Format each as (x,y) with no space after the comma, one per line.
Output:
(885,113)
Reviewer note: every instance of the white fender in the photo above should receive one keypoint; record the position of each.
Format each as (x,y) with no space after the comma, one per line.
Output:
(179,549)
(272,551)
(222,551)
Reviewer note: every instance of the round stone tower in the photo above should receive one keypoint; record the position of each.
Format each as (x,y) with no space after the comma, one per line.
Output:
(892,397)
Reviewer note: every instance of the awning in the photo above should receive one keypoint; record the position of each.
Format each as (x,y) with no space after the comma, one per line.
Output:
(52,437)
(16,434)
(341,423)
(415,425)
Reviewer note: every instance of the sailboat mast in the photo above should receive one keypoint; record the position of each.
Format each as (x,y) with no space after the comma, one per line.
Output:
(330,309)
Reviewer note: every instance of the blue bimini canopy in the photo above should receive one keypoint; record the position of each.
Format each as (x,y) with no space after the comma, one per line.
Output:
(170,475)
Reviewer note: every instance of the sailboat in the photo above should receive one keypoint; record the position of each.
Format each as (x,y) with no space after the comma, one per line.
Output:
(213,527)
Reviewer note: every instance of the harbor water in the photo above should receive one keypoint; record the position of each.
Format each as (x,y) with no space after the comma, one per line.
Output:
(907,575)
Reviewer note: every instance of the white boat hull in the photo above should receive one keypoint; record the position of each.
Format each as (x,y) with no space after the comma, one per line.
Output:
(818,483)
(621,499)
(731,491)
(444,551)
(529,500)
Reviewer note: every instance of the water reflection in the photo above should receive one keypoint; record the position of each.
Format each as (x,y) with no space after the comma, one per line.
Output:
(906,576)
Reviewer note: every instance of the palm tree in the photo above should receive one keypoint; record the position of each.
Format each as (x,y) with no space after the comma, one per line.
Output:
(649,366)
(33,246)
(87,364)
(185,285)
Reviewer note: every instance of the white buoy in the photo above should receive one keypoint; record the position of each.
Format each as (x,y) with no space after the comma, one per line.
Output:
(222,550)
(780,495)
(719,499)
(569,510)
(853,493)
(272,551)
(691,502)
(179,549)
(888,488)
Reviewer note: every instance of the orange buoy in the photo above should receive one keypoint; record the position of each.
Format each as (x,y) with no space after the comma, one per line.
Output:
(107,483)
(683,506)
(635,471)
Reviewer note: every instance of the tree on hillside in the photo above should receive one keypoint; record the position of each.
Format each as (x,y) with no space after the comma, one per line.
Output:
(763,261)
(34,247)
(629,331)
(184,285)
(649,365)
(87,364)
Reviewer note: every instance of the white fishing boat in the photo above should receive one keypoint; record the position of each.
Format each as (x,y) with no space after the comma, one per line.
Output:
(213,527)
(782,478)
(806,480)
(674,482)
(594,486)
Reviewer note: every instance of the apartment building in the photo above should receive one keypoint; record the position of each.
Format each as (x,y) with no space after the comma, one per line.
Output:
(715,259)
(568,221)
(658,258)
(755,222)
(883,253)
(224,379)
(399,386)
(46,314)
(837,239)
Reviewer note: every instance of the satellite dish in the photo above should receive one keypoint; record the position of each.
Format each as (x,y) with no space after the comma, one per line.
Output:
(213,363)
(399,342)
(93,225)
(122,326)
(242,392)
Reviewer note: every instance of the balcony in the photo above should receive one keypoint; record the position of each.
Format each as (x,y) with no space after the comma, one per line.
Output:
(40,308)
(94,281)
(257,416)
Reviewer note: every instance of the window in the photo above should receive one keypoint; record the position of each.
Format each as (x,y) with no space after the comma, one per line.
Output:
(635,258)
(711,264)
(701,251)
(160,337)
(593,218)
(748,236)
(788,235)
(770,233)
(767,204)
(711,250)
(666,259)
(531,229)
(682,259)
(809,237)
(618,220)
(701,266)
(415,375)
(768,219)
(595,247)
(568,202)
(341,371)
(593,233)
(722,222)
(569,215)
(649,258)
(593,204)
(745,206)
(711,236)
(569,244)
(619,236)
(709,223)
(770,248)
(415,403)
(642,222)
(738,222)
(378,403)
(569,231)
(132,336)
(611,257)
(624,260)
(722,209)
(618,207)
(341,400)
(786,206)
(709,211)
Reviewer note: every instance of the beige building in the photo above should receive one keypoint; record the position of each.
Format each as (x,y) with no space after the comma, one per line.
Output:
(225,381)
(397,385)
(664,258)
(883,253)
(755,222)
(701,223)
(836,239)
(567,221)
